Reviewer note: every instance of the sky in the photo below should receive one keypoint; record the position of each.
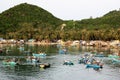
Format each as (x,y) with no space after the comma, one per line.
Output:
(69,9)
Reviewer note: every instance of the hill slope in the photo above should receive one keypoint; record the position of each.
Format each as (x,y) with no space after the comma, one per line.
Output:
(26,14)
(109,20)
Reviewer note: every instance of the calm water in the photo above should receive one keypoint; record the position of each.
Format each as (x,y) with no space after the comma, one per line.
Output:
(57,71)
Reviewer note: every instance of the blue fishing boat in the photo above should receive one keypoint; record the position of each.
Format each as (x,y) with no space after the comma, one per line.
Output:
(94,66)
(99,55)
(41,55)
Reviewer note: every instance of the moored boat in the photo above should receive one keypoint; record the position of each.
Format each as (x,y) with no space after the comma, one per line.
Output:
(94,66)
(9,63)
(41,55)
(68,63)
(99,55)
(44,65)
(116,61)
(113,56)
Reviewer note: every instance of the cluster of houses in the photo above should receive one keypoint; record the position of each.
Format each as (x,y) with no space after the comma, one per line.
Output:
(98,43)
(21,41)
(11,41)
(112,46)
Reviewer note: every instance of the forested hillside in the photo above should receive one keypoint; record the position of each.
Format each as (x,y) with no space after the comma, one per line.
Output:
(26,21)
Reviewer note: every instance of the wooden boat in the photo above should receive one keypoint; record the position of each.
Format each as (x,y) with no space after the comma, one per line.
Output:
(41,65)
(44,65)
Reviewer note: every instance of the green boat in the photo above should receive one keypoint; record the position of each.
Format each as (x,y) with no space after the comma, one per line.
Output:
(11,63)
(113,56)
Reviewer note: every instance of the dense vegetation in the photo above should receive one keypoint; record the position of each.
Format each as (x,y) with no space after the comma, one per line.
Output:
(27,21)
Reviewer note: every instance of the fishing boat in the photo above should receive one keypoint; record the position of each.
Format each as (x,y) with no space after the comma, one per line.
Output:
(68,63)
(9,63)
(115,61)
(94,66)
(113,56)
(40,55)
(99,55)
(41,65)
(44,65)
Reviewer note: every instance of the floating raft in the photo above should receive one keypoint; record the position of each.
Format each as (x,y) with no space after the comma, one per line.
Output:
(41,55)
(3,57)
(100,55)
(41,65)
(29,64)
